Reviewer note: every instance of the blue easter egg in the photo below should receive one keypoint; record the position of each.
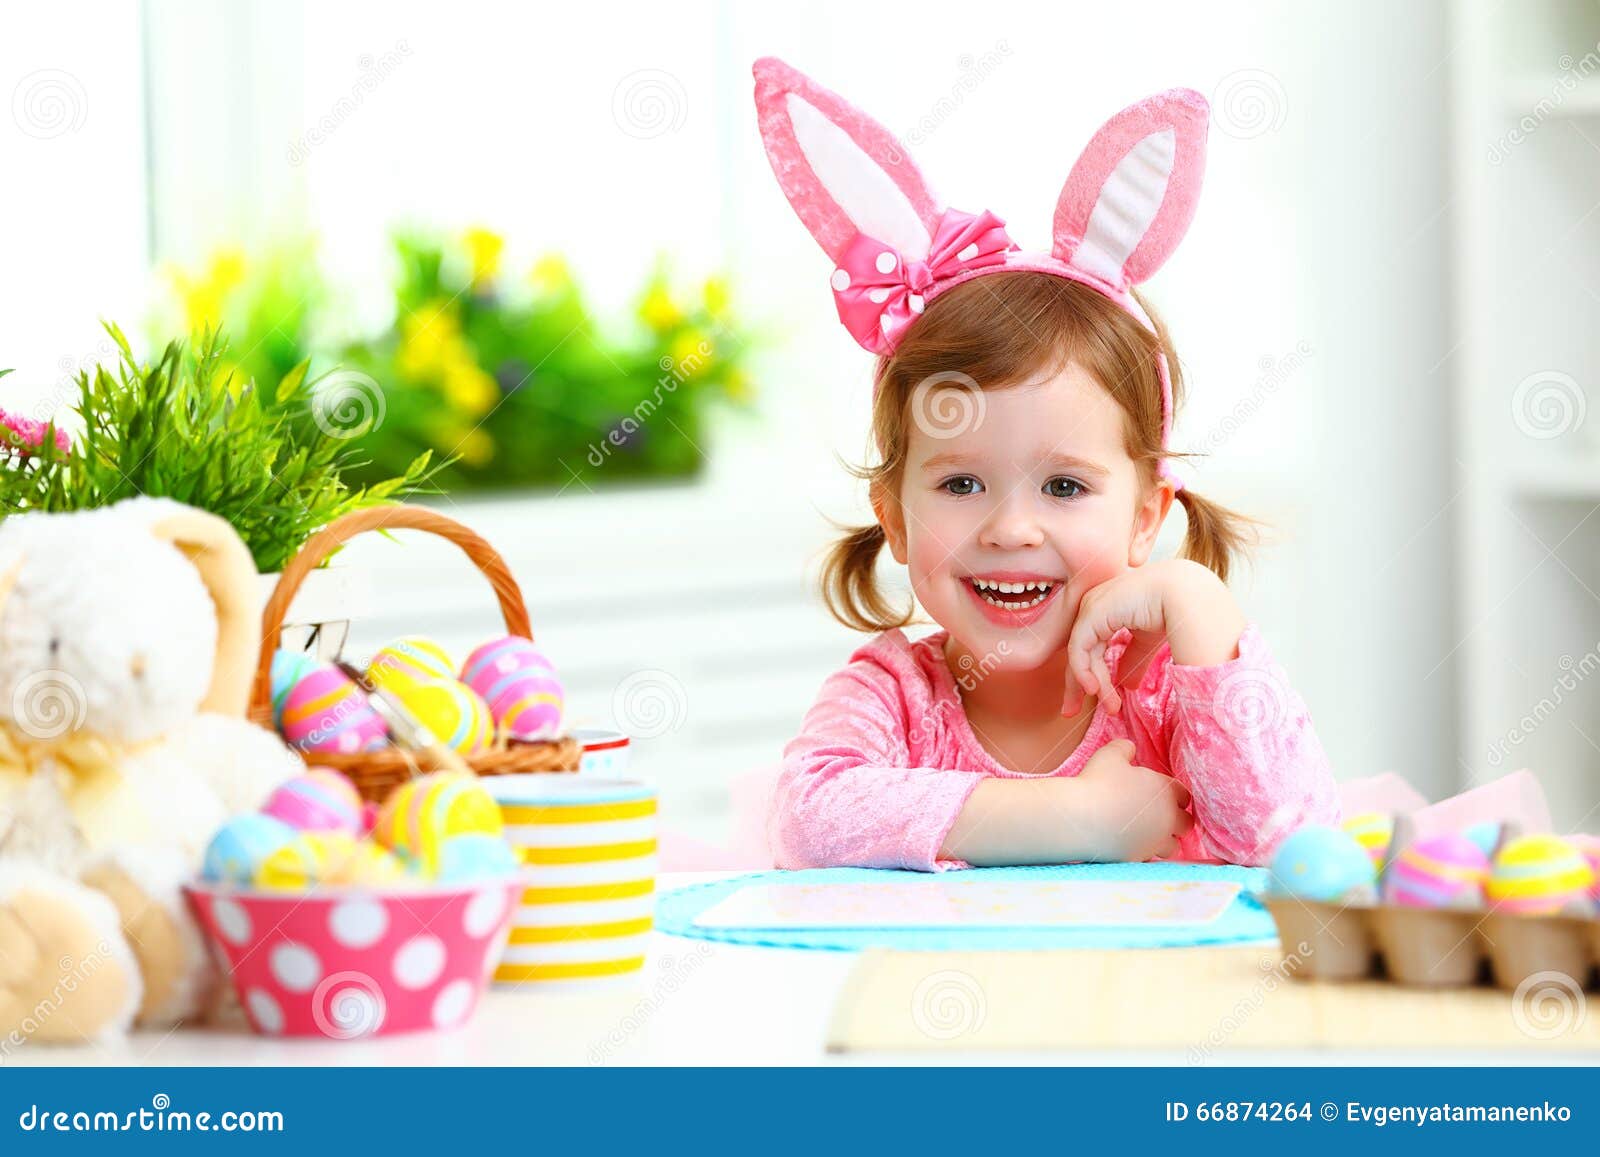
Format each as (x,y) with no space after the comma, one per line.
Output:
(475,856)
(288,668)
(1323,863)
(241,844)
(1486,834)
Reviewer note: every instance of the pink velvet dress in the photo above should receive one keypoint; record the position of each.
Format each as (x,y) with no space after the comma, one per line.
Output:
(886,758)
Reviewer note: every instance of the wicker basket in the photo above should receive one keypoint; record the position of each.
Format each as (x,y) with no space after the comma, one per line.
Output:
(376,773)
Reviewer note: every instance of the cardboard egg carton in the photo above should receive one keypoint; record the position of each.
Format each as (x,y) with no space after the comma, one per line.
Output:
(1431,947)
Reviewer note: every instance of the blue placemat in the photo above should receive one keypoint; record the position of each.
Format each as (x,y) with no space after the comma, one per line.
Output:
(1245,919)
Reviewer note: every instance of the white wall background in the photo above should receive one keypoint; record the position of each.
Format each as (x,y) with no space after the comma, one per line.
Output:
(1309,302)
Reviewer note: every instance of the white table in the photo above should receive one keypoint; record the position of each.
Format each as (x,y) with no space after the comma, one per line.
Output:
(696,1003)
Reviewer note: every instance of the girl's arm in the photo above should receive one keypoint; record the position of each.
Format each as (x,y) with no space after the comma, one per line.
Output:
(1235,731)
(846,796)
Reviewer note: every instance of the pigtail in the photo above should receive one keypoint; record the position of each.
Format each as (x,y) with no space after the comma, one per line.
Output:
(1216,537)
(849,583)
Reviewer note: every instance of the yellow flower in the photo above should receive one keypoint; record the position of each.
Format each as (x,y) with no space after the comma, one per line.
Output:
(659,311)
(692,353)
(716,297)
(737,384)
(204,297)
(469,388)
(484,248)
(550,274)
(430,340)
(476,448)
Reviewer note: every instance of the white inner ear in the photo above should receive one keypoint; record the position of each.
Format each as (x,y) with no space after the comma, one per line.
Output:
(867,194)
(1128,203)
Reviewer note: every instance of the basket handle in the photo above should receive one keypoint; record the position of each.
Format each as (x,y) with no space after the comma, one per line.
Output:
(395,516)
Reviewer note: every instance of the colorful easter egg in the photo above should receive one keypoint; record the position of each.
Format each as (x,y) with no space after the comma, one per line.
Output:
(305,862)
(288,668)
(1324,863)
(453,711)
(1443,871)
(319,800)
(325,711)
(475,857)
(370,865)
(419,816)
(1373,831)
(413,659)
(1485,834)
(498,658)
(520,686)
(236,853)
(1539,875)
(1589,847)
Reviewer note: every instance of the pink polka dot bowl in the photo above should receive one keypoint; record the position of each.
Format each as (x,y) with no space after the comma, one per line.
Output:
(348,963)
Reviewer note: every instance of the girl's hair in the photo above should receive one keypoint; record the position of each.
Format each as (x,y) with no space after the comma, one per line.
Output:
(1001,330)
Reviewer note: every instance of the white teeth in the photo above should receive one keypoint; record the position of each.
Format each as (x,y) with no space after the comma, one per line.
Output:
(1015,606)
(1011,588)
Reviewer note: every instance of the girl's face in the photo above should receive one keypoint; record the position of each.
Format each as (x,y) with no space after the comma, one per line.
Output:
(1015,502)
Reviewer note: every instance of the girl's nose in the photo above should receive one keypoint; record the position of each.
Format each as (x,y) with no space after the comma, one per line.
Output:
(1011,525)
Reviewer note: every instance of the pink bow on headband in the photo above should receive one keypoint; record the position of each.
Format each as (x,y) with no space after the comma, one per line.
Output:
(879,293)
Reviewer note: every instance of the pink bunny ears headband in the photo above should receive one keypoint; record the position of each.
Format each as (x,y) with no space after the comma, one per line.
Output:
(1125,206)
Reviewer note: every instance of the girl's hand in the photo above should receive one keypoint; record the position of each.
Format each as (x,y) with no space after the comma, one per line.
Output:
(1179,599)
(1140,813)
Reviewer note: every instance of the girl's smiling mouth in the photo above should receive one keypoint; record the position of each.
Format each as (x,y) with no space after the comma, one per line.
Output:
(1012,599)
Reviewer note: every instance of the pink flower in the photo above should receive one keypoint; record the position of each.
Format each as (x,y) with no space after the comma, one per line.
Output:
(28,433)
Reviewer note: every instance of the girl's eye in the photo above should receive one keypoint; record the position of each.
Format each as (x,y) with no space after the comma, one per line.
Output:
(1064,488)
(961,485)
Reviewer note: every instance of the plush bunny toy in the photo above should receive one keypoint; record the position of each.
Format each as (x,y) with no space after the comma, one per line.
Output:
(127,642)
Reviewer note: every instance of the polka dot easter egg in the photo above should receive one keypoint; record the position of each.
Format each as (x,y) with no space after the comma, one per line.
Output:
(1541,875)
(236,853)
(1443,871)
(1324,864)
(452,711)
(419,816)
(288,668)
(325,711)
(319,800)
(410,660)
(1373,831)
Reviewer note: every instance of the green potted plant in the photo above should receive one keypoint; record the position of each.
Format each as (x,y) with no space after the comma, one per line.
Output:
(184,425)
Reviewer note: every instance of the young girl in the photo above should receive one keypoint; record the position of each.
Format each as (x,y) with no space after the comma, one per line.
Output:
(1083,701)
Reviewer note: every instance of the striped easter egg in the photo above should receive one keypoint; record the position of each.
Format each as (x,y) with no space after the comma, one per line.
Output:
(1443,871)
(452,711)
(308,860)
(499,657)
(1589,846)
(288,668)
(325,711)
(1372,830)
(321,800)
(412,659)
(236,853)
(1540,875)
(420,815)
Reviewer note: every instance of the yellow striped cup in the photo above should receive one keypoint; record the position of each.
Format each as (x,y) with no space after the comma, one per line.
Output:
(588,852)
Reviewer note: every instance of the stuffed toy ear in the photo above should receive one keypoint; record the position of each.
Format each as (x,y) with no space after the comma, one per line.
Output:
(228,571)
(843,172)
(1131,196)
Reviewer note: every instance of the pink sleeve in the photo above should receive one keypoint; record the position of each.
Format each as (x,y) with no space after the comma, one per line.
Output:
(1239,737)
(846,796)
